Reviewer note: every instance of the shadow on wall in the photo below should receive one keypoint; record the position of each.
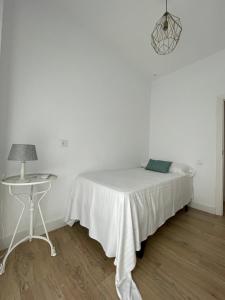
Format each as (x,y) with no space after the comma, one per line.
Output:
(5,69)
(59,81)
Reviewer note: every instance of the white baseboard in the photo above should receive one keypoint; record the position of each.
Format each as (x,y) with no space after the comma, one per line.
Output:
(39,230)
(206,208)
(56,224)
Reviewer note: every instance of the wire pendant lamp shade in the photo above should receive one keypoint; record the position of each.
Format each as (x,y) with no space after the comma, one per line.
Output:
(166,33)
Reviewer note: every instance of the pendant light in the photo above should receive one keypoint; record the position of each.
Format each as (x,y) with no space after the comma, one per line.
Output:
(166,33)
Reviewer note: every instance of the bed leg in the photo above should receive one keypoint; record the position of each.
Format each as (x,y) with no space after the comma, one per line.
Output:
(186,208)
(76,222)
(141,252)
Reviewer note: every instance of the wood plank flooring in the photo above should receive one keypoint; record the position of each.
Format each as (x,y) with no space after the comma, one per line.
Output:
(185,259)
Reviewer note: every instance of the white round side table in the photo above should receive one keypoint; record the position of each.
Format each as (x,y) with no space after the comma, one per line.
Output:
(32,180)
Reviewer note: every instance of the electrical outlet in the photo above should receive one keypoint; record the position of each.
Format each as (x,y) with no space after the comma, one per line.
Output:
(199,163)
(64,143)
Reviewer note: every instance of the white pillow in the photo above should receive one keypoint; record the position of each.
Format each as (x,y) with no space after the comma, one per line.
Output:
(182,169)
(144,164)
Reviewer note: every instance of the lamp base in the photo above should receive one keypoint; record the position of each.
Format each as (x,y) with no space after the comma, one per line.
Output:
(22,173)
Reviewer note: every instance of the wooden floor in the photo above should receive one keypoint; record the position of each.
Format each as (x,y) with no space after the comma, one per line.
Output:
(185,259)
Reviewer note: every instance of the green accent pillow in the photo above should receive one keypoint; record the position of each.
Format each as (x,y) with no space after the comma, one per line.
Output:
(158,166)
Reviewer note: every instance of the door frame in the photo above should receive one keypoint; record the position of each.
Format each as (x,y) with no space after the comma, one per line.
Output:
(220,155)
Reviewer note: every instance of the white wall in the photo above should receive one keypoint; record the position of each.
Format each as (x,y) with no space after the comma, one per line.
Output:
(2,115)
(1,102)
(61,83)
(1,12)
(183,121)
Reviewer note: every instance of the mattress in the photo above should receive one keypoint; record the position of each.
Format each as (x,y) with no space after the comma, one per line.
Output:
(122,208)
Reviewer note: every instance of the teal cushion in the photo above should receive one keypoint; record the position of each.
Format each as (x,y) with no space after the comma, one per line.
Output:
(158,166)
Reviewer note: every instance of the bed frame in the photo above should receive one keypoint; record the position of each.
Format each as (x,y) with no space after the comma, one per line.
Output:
(141,252)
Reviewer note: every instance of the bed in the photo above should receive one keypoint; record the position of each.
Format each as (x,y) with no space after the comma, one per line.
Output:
(122,208)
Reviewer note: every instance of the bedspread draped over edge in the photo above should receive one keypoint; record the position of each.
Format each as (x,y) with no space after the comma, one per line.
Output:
(121,220)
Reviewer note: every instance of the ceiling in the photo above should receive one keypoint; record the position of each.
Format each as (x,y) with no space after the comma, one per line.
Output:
(126,26)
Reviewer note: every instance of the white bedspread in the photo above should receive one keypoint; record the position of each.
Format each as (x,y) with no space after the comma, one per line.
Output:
(122,208)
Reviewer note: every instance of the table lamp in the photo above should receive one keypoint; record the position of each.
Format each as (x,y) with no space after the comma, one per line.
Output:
(22,153)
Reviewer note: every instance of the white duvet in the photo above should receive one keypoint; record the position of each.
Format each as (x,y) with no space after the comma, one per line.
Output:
(122,208)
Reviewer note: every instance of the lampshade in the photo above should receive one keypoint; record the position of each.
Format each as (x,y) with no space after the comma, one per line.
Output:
(166,33)
(22,152)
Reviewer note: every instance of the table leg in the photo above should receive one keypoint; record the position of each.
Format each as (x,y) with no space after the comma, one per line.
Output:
(11,247)
(31,213)
(31,235)
(53,252)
